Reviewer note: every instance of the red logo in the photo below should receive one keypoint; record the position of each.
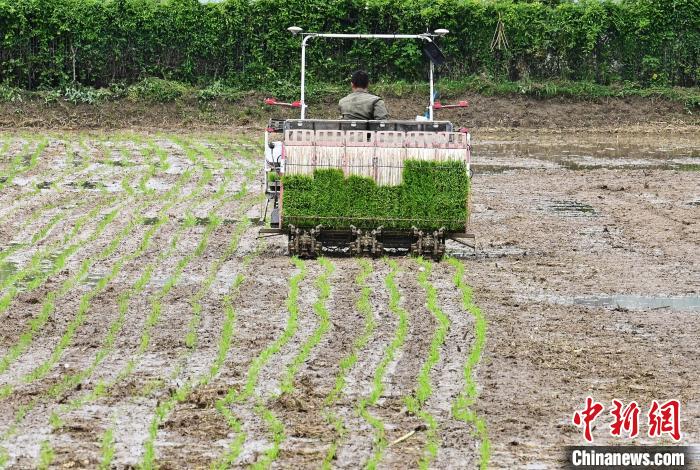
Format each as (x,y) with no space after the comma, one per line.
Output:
(662,419)
(665,419)
(626,419)
(587,416)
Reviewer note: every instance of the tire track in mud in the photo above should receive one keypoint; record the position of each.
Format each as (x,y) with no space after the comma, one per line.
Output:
(232,406)
(173,190)
(462,405)
(213,223)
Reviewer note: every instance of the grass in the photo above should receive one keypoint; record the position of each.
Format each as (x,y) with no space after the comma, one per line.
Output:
(432,195)
(155,90)
(380,442)
(462,406)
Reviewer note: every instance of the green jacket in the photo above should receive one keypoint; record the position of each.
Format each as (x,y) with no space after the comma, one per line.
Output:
(361,105)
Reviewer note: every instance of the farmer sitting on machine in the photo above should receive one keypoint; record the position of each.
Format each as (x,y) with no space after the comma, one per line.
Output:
(360,104)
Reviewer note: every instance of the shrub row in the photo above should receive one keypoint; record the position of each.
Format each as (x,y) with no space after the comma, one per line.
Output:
(432,195)
(49,44)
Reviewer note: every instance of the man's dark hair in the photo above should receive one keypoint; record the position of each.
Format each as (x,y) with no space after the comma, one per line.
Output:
(360,79)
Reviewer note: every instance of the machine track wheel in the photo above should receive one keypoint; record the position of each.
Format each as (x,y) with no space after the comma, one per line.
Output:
(304,243)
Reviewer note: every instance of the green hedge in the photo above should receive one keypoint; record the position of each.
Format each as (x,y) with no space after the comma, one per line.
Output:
(48,44)
(432,195)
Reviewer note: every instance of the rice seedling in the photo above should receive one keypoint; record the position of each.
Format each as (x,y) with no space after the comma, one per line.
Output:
(432,195)
(364,306)
(107,449)
(462,406)
(321,311)
(424,389)
(380,442)
(46,455)
(235,395)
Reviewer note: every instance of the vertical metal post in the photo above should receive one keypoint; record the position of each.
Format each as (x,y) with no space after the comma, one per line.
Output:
(303,74)
(432,94)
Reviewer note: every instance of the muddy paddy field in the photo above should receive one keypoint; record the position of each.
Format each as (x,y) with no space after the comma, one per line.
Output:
(144,323)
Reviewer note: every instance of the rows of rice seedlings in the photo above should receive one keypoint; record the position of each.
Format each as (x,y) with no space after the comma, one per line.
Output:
(58,177)
(35,270)
(380,443)
(287,383)
(102,389)
(71,381)
(424,390)
(462,406)
(48,305)
(364,306)
(70,170)
(236,396)
(36,274)
(23,162)
(319,307)
(164,408)
(170,199)
(28,335)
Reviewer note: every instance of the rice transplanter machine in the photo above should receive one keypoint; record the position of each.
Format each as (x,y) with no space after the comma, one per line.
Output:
(370,149)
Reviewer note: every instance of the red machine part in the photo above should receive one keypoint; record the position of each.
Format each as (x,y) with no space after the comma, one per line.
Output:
(461,104)
(274,102)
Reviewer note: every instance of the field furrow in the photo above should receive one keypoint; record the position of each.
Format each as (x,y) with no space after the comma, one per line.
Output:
(463,405)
